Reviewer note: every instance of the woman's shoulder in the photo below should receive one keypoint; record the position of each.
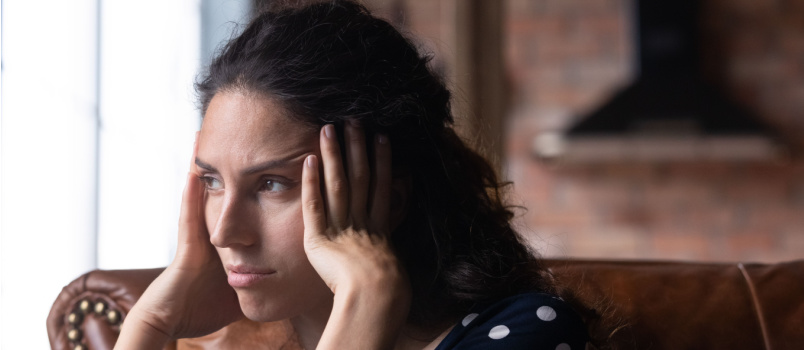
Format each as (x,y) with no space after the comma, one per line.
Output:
(523,321)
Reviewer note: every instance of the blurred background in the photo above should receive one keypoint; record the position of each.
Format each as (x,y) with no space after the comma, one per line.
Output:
(590,111)
(630,129)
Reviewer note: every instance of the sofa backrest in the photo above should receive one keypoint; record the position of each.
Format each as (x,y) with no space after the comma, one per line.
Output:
(673,305)
(643,305)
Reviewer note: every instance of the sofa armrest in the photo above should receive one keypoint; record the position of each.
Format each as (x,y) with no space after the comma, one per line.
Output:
(88,312)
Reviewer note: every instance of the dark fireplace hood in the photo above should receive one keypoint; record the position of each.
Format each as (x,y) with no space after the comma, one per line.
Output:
(670,112)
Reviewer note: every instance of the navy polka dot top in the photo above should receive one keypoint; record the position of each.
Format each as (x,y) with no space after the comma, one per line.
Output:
(532,321)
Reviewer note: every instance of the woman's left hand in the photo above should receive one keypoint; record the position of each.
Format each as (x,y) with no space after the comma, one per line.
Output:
(347,240)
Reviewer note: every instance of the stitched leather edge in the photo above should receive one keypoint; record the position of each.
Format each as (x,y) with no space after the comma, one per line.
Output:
(757,305)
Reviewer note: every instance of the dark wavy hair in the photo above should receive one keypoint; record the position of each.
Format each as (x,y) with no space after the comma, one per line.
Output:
(333,61)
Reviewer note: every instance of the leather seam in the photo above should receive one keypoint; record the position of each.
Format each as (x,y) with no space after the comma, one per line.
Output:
(757,306)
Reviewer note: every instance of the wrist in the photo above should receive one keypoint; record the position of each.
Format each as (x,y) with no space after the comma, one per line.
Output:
(378,296)
(386,279)
(139,333)
(378,310)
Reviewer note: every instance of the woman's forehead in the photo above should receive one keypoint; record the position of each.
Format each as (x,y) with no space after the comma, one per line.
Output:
(252,113)
(244,107)
(251,124)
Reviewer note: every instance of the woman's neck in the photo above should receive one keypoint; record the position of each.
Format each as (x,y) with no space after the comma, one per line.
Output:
(310,325)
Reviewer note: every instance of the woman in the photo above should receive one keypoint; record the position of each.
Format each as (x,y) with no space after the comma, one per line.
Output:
(328,188)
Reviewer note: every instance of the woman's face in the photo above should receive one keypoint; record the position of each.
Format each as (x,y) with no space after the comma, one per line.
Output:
(250,156)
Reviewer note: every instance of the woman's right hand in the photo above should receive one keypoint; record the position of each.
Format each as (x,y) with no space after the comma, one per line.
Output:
(191,297)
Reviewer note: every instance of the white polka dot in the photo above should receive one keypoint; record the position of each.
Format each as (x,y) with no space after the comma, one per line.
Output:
(563,346)
(468,319)
(499,332)
(546,313)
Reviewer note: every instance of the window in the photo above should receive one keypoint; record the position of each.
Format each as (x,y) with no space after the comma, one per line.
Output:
(97,119)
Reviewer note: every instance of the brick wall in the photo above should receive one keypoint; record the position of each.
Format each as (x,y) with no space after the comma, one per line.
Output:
(565,57)
(569,55)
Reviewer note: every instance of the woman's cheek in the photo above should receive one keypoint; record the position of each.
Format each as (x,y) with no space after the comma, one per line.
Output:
(284,222)
(212,210)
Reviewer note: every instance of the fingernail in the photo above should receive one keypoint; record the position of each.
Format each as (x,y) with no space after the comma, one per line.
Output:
(354,122)
(311,161)
(328,132)
(382,139)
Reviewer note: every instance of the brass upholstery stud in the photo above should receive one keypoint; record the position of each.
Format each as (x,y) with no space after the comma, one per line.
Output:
(74,335)
(80,347)
(100,307)
(84,306)
(75,318)
(113,316)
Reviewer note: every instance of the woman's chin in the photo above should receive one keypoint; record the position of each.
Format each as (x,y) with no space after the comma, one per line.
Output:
(257,316)
(270,304)
(263,309)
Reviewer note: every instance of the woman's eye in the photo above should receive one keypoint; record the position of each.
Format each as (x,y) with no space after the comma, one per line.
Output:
(211,183)
(272,186)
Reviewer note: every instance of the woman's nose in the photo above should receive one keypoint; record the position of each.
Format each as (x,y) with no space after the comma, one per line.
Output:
(233,226)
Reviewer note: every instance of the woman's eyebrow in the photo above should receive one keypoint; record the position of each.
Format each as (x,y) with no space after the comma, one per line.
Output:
(202,164)
(271,164)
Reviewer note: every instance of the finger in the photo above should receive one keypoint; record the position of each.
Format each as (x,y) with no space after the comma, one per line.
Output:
(359,174)
(193,167)
(314,216)
(192,229)
(195,147)
(190,226)
(335,182)
(381,190)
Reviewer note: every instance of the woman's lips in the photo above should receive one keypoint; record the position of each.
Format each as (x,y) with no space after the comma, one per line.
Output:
(241,276)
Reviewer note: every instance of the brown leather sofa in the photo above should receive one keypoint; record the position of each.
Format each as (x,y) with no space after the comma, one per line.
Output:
(654,305)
